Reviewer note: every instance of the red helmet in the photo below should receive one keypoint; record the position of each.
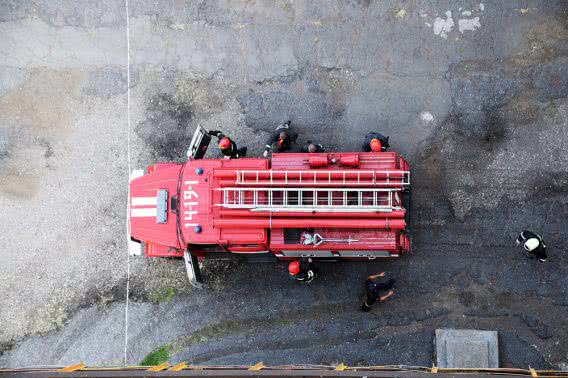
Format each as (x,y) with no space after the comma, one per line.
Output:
(375,145)
(224,143)
(294,268)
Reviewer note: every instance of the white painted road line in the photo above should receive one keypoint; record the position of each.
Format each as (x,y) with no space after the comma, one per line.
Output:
(127,299)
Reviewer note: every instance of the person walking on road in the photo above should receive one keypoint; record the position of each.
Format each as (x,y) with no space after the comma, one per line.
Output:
(533,245)
(281,139)
(374,287)
(227,146)
(375,142)
(303,270)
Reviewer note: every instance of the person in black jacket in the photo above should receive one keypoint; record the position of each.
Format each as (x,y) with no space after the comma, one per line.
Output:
(281,139)
(374,288)
(311,147)
(303,270)
(533,244)
(227,146)
(370,142)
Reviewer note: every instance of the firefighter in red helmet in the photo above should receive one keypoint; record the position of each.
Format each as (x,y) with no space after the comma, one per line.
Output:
(303,270)
(375,142)
(227,146)
(376,145)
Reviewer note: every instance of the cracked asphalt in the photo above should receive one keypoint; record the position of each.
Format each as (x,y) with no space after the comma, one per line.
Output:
(473,94)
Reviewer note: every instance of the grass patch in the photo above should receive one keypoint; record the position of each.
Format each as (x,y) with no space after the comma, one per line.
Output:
(157,356)
(234,327)
(163,294)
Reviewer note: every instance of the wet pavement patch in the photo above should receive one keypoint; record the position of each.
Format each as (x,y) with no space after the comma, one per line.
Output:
(166,128)
(264,110)
(536,325)
(515,352)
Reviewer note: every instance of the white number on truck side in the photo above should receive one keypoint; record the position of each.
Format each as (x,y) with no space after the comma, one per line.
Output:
(189,201)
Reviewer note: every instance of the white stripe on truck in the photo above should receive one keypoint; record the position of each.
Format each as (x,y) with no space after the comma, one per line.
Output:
(143,212)
(144,201)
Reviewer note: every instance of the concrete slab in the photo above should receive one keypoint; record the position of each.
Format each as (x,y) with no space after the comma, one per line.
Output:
(466,348)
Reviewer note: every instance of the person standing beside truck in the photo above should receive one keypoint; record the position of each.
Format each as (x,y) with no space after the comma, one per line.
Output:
(375,142)
(303,270)
(281,140)
(227,146)
(311,147)
(534,245)
(374,287)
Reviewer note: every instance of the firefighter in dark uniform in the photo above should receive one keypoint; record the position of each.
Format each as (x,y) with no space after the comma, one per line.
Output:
(311,147)
(281,140)
(533,245)
(227,146)
(303,270)
(374,287)
(375,142)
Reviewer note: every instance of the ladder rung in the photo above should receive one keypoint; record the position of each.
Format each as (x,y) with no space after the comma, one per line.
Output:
(315,199)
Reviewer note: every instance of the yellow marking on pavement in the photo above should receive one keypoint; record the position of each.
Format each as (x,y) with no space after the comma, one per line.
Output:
(340,367)
(256,367)
(71,368)
(159,367)
(178,367)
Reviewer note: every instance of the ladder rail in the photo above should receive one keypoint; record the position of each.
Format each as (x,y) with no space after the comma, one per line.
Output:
(253,177)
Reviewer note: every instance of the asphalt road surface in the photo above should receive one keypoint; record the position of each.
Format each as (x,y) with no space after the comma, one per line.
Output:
(473,94)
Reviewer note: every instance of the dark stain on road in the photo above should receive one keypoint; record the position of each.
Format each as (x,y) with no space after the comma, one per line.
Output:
(166,127)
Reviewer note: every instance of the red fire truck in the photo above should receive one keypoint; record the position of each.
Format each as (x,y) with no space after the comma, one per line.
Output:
(328,206)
